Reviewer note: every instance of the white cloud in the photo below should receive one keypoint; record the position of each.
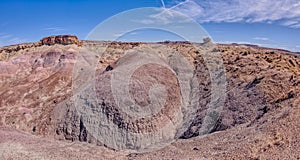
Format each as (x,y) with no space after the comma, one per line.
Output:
(53,29)
(295,25)
(4,36)
(298,46)
(16,40)
(8,39)
(163,18)
(145,21)
(123,34)
(118,34)
(289,22)
(11,41)
(261,38)
(285,12)
(189,8)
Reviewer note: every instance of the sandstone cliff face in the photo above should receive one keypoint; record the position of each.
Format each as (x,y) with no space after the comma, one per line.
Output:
(10,51)
(259,118)
(60,39)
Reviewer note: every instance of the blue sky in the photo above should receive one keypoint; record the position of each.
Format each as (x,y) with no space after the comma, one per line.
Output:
(265,22)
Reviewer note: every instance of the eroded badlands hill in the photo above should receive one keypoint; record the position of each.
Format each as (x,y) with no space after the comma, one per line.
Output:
(259,120)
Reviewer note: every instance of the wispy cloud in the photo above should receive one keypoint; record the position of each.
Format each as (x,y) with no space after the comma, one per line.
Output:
(118,34)
(188,7)
(9,39)
(53,29)
(164,17)
(123,34)
(285,12)
(4,36)
(133,33)
(16,40)
(261,38)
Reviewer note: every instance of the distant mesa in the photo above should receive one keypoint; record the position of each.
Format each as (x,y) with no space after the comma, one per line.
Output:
(9,51)
(61,39)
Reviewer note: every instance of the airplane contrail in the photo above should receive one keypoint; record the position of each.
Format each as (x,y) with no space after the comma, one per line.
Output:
(163,3)
(181,3)
(168,9)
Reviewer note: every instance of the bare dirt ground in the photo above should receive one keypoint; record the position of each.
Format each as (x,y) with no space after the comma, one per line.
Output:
(260,119)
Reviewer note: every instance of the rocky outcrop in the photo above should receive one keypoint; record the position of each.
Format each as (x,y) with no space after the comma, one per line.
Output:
(13,50)
(259,118)
(61,39)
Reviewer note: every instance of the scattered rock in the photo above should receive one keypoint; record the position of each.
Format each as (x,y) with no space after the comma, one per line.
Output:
(207,40)
(254,82)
